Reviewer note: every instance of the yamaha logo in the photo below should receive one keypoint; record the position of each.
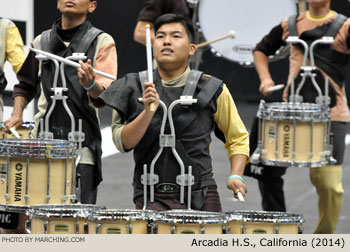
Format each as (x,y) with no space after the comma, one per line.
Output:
(19,167)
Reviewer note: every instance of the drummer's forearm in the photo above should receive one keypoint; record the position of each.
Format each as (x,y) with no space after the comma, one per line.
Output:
(238,163)
(262,65)
(18,105)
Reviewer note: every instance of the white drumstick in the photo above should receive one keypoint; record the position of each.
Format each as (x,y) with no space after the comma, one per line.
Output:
(275,88)
(231,34)
(70,62)
(14,132)
(240,197)
(149,58)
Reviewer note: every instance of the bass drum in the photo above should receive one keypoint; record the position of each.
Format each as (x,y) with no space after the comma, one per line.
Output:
(249,19)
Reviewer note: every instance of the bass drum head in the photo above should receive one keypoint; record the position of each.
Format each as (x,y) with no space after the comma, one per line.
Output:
(249,19)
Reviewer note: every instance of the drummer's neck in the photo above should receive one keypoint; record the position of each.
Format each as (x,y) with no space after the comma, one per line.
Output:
(319,11)
(69,22)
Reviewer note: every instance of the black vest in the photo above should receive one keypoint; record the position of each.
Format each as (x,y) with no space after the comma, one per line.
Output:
(192,139)
(84,41)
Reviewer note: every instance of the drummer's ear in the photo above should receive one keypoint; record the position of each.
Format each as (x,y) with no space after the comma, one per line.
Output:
(193,49)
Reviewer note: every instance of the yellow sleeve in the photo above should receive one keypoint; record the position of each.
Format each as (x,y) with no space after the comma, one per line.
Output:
(230,123)
(14,48)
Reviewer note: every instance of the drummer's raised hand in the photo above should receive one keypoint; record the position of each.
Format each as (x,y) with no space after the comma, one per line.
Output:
(87,77)
(150,95)
(265,85)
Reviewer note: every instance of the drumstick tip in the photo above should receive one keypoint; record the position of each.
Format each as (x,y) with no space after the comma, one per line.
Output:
(148,26)
(14,132)
(232,34)
(240,197)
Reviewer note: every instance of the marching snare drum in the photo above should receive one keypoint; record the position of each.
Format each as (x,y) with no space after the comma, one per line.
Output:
(36,172)
(188,222)
(293,134)
(116,221)
(261,222)
(59,219)
(24,131)
(249,19)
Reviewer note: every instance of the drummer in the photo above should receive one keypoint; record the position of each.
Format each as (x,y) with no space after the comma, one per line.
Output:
(71,33)
(152,9)
(312,25)
(136,127)
(11,49)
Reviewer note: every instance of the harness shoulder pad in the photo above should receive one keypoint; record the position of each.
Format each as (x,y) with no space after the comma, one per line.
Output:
(292,26)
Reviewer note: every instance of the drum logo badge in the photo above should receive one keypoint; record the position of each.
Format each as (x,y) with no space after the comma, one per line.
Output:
(18,182)
(243,49)
(286,141)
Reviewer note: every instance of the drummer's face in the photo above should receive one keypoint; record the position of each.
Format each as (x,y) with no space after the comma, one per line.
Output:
(76,7)
(172,45)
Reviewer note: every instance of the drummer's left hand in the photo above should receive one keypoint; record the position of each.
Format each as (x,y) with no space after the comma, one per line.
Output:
(86,74)
(236,185)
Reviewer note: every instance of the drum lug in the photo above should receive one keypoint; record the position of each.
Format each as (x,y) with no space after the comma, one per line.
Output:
(76,226)
(202,229)
(226,229)
(28,226)
(277,230)
(243,228)
(98,228)
(129,227)
(7,198)
(26,198)
(154,228)
(300,228)
(46,223)
(86,228)
(173,230)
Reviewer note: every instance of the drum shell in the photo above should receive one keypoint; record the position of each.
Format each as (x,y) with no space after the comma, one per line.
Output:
(294,134)
(117,221)
(60,219)
(24,172)
(263,222)
(188,222)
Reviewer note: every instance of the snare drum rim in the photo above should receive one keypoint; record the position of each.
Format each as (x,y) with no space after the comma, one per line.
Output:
(182,216)
(38,148)
(121,214)
(63,211)
(264,216)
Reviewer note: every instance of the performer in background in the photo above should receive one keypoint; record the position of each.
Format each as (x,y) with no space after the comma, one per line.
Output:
(331,61)
(11,50)
(136,127)
(69,34)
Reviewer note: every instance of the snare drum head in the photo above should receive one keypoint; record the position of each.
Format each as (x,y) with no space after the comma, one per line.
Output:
(189,217)
(249,19)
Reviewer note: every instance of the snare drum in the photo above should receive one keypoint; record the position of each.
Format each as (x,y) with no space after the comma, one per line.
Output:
(116,221)
(249,19)
(24,131)
(293,134)
(188,222)
(261,222)
(36,172)
(59,219)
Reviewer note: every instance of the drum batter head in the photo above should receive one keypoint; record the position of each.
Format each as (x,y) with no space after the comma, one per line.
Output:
(189,217)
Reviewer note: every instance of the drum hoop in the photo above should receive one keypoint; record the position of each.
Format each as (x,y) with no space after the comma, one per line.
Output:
(38,148)
(14,208)
(264,217)
(121,214)
(63,211)
(189,217)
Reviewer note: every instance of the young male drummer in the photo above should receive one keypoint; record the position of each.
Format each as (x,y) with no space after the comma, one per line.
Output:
(331,61)
(136,127)
(69,34)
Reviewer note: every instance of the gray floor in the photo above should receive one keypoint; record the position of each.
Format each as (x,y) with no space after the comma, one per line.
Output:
(116,192)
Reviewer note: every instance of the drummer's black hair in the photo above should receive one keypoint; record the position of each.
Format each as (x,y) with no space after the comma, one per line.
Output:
(173,18)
